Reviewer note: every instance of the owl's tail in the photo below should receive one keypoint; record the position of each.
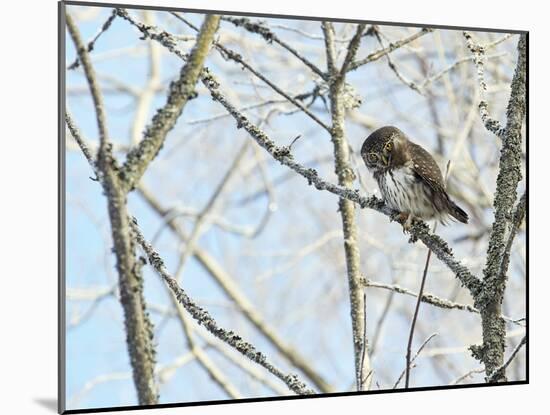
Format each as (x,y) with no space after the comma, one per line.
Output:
(457,213)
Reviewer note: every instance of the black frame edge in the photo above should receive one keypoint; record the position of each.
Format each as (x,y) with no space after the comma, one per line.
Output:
(292,397)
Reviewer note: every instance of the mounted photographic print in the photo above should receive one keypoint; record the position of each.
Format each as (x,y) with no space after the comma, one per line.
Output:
(259,207)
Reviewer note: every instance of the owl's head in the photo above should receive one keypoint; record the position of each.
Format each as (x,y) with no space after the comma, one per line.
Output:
(382,150)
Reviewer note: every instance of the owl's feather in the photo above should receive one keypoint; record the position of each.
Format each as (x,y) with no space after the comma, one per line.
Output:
(427,170)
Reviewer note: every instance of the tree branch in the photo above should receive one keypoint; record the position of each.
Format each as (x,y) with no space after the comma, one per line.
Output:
(347,208)
(75,132)
(432,299)
(408,360)
(328,32)
(202,357)
(91,43)
(181,91)
(204,318)
(269,36)
(147,94)
(389,49)
(517,219)
(245,365)
(139,329)
(489,301)
(478,52)
(499,372)
(353,47)
(413,359)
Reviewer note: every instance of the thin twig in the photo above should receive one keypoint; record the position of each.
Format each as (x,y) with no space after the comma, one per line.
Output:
(389,49)
(353,47)
(499,371)
(394,69)
(434,300)
(453,65)
(413,359)
(466,375)
(91,43)
(308,35)
(362,381)
(96,299)
(413,323)
(293,141)
(209,207)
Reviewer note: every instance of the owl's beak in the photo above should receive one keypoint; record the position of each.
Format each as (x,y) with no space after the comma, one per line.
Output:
(386,160)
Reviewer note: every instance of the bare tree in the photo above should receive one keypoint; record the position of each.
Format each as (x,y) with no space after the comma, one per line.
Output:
(240,191)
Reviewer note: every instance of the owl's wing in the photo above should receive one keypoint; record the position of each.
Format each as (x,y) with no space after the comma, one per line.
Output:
(425,168)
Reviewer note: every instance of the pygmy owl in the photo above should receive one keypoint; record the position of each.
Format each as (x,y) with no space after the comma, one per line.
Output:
(408,177)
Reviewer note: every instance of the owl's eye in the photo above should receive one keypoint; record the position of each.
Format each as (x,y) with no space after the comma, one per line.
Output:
(388,146)
(372,157)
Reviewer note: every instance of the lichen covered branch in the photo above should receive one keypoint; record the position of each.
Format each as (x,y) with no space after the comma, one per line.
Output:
(91,44)
(489,301)
(181,91)
(345,175)
(139,328)
(432,299)
(206,320)
(478,53)
(499,372)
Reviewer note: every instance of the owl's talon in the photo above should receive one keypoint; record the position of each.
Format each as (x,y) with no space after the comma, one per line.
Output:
(408,224)
(406,220)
